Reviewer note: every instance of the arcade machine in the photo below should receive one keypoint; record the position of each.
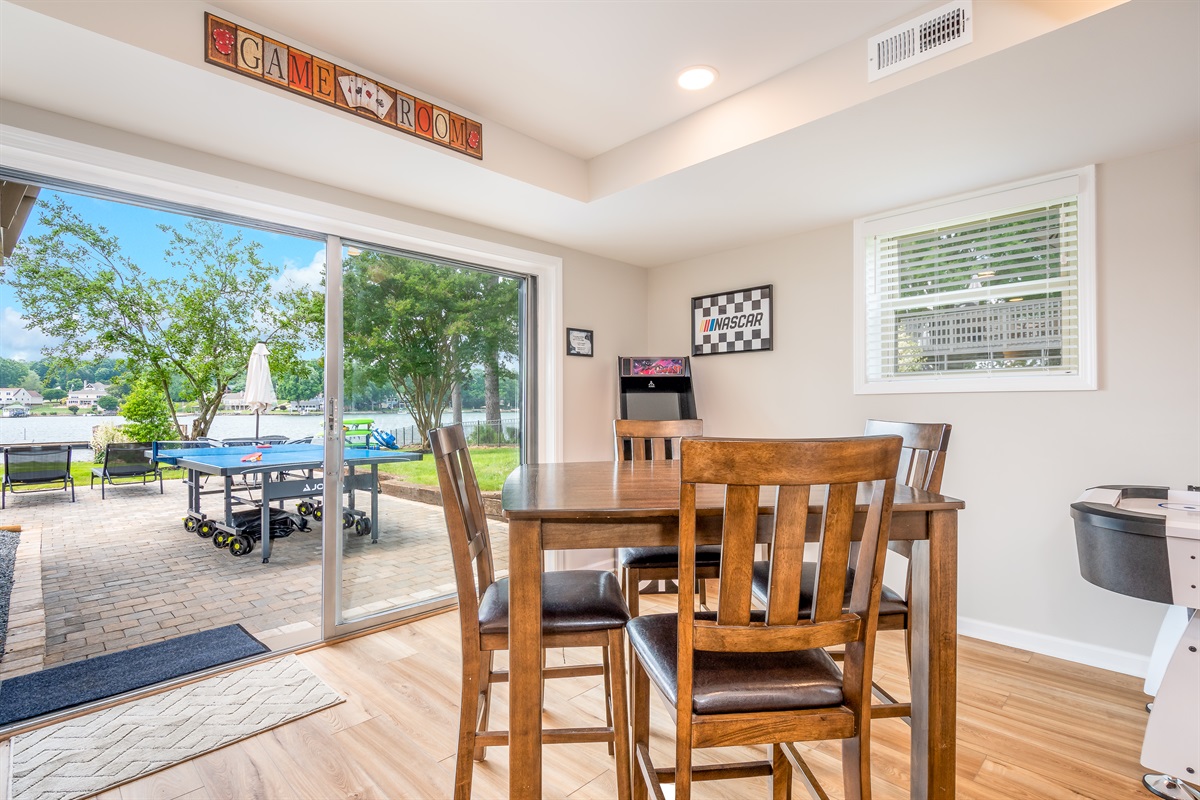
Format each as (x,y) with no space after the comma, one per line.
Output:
(1144,541)
(655,387)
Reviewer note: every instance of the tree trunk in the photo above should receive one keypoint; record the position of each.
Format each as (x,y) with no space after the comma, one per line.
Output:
(456,402)
(491,392)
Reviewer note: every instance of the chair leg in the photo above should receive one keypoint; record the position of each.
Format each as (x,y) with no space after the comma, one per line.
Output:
(702,586)
(683,760)
(467,720)
(619,704)
(781,774)
(72,490)
(856,763)
(484,695)
(641,721)
(606,663)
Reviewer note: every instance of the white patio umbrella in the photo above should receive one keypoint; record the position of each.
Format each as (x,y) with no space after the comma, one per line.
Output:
(260,392)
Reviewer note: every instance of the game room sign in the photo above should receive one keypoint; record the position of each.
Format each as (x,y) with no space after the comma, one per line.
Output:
(247,52)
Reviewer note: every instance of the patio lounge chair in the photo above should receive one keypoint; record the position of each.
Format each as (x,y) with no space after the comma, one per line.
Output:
(126,460)
(36,464)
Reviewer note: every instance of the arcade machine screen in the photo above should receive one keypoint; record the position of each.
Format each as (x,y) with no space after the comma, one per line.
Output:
(653,387)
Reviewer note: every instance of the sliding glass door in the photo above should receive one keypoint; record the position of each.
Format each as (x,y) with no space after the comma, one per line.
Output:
(416,343)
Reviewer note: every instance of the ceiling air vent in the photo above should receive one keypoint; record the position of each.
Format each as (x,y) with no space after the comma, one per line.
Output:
(920,39)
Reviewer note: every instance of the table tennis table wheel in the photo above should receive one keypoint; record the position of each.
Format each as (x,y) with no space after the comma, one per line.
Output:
(191,524)
(304,508)
(362,526)
(240,545)
(207,528)
(221,539)
(318,513)
(347,519)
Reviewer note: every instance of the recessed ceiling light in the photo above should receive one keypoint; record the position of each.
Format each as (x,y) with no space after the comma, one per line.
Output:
(694,78)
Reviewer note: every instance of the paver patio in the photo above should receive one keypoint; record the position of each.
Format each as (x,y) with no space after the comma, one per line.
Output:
(95,577)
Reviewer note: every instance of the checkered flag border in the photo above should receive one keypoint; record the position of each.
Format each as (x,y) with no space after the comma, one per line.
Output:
(740,303)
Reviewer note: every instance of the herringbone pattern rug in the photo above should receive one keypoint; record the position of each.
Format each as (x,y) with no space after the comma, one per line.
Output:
(87,755)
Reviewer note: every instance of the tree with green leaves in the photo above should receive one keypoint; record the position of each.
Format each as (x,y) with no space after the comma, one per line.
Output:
(418,327)
(108,402)
(194,328)
(12,373)
(494,333)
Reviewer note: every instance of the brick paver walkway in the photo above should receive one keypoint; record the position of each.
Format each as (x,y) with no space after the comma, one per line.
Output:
(113,574)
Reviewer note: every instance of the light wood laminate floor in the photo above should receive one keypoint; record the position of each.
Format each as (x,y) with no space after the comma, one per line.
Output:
(1029,726)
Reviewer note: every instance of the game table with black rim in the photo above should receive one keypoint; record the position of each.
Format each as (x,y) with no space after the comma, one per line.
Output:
(276,468)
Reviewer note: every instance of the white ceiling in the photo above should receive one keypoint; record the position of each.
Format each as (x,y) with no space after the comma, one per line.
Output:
(589,145)
(582,77)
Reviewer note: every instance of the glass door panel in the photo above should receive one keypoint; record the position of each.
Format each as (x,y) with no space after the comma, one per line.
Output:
(423,344)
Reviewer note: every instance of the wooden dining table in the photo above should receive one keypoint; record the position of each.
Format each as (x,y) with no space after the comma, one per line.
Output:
(610,504)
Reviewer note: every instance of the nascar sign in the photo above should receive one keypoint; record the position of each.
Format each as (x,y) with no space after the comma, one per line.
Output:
(732,322)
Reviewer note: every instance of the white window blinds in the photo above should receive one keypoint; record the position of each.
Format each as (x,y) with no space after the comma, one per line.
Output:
(966,299)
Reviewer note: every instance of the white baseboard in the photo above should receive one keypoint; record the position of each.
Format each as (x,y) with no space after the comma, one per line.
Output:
(1078,652)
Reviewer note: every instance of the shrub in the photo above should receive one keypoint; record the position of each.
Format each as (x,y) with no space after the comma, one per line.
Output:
(102,436)
(149,418)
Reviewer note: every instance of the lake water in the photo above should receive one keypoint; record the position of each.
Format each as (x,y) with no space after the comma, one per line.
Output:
(30,430)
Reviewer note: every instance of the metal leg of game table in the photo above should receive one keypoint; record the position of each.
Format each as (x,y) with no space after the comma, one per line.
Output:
(374,503)
(266,519)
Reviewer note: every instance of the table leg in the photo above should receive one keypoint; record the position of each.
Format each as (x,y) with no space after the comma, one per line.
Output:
(265,541)
(525,659)
(933,619)
(374,503)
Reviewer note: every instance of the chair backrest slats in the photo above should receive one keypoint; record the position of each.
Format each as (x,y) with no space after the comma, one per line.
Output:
(793,467)
(36,463)
(834,552)
(738,537)
(787,554)
(466,523)
(127,457)
(653,439)
(923,460)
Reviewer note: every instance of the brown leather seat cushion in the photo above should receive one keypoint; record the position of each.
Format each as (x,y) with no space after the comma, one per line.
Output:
(573,601)
(889,601)
(707,555)
(726,683)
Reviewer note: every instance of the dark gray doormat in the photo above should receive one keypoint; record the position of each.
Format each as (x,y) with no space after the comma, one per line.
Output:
(8,560)
(58,688)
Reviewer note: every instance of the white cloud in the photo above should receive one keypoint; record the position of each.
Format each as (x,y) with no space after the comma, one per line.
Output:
(293,277)
(18,341)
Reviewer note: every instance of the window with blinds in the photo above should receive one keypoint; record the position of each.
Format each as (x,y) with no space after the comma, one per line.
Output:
(988,292)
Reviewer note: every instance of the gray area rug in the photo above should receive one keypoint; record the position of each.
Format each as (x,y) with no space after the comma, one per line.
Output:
(8,559)
(96,752)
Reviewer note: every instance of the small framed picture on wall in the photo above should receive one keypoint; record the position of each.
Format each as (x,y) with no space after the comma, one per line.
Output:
(579,342)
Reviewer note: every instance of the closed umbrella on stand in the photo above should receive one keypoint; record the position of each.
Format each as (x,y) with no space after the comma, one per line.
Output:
(260,392)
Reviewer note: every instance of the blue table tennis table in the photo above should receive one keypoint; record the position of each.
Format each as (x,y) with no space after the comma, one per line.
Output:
(285,472)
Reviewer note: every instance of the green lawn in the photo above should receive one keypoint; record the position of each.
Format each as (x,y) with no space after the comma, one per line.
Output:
(82,473)
(492,465)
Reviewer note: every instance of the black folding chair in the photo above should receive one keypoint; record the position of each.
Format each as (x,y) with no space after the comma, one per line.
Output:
(126,460)
(30,465)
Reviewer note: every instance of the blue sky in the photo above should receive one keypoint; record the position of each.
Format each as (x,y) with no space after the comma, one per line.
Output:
(299,261)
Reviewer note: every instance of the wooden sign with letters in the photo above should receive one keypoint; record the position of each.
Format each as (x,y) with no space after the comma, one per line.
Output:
(247,52)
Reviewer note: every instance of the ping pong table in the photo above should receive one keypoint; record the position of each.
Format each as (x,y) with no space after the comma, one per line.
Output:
(284,472)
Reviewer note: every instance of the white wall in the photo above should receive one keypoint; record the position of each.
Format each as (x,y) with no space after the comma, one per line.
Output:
(1018,459)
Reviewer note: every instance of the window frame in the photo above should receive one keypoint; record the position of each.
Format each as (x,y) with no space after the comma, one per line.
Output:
(1078,182)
